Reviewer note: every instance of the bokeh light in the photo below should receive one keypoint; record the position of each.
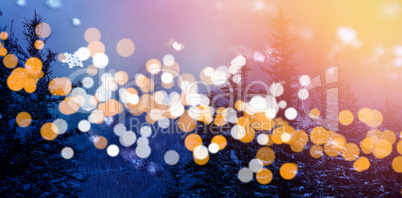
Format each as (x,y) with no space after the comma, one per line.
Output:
(346,117)
(100,142)
(316,151)
(39,44)
(23,119)
(92,34)
(125,47)
(48,132)
(113,150)
(266,155)
(245,175)
(67,153)
(397,164)
(288,171)
(361,164)
(264,176)
(10,61)
(43,30)
(192,141)
(171,157)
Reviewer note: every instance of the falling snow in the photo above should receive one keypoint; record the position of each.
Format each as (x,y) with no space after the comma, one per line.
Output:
(55,4)
(72,60)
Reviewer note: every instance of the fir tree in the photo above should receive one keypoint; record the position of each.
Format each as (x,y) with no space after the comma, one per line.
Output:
(281,68)
(390,114)
(282,49)
(32,166)
(235,90)
(173,182)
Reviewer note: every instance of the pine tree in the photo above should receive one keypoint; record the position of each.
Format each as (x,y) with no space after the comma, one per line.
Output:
(32,166)
(347,100)
(318,99)
(236,90)
(281,68)
(390,114)
(282,49)
(177,179)
(218,178)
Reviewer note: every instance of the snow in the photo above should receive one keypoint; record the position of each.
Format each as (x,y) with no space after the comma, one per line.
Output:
(76,22)
(55,4)
(72,60)
(21,3)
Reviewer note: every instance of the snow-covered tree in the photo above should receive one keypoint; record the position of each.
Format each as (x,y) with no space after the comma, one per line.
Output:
(32,166)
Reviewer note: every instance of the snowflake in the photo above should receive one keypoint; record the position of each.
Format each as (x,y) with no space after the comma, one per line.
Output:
(109,121)
(72,60)
(152,168)
(21,3)
(55,4)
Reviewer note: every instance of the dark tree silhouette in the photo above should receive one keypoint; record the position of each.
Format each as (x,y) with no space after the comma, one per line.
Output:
(218,178)
(282,50)
(235,91)
(32,166)
(282,69)
(391,115)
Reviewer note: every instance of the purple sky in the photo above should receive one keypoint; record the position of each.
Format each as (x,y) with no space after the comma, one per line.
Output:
(214,32)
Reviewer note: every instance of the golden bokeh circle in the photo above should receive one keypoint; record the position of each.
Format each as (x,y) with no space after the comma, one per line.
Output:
(397,164)
(60,86)
(30,85)
(346,117)
(300,140)
(399,147)
(186,123)
(240,105)
(23,119)
(367,145)
(39,44)
(288,171)
(266,155)
(264,176)
(319,135)
(201,162)
(3,35)
(3,51)
(193,140)
(351,152)
(68,106)
(10,61)
(100,142)
(389,135)
(382,149)
(330,150)
(34,67)
(377,119)
(361,164)
(16,80)
(47,131)
(365,115)
(314,113)
(43,30)
(316,151)
(220,140)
